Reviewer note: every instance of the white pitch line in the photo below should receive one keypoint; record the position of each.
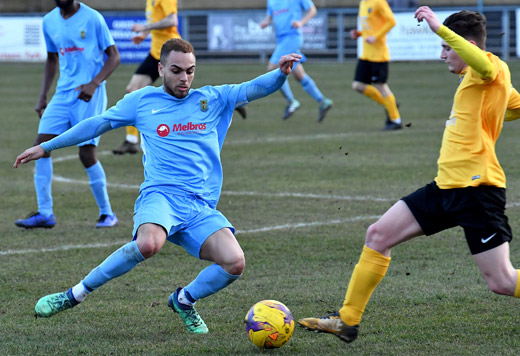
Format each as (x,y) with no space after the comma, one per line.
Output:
(246,193)
(237,232)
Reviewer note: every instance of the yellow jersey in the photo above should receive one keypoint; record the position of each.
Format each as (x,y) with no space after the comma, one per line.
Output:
(156,10)
(376,19)
(467,156)
(513,106)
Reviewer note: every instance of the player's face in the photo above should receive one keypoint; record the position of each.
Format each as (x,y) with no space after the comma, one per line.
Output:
(455,63)
(178,73)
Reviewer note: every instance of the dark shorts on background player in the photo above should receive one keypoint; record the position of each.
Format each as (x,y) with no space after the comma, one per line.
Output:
(149,67)
(478,210)
(371,72)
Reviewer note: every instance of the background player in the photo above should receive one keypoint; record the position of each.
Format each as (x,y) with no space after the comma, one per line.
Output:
(162,19)
(183,131)
(376,20)
(469,190)
(288,19)
(76,37)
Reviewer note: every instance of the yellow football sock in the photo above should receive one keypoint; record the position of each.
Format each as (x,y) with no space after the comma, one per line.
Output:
(391,107)
(130,130)
(367,274)
(517,289)
(374,94)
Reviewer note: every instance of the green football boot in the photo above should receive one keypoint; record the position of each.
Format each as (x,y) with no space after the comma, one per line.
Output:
(192,320)
(54,303)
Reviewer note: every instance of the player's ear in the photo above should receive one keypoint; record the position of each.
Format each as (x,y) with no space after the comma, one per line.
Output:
(160,67)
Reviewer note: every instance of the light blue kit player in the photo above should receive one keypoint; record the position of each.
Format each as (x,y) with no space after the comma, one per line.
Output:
(77,38)
(182,133)
(288,18)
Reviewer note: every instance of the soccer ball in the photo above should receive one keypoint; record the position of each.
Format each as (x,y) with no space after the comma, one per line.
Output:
(269,324)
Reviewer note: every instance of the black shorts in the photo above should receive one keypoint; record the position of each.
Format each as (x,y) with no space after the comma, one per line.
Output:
(371,72)
(478,210)
(149,67)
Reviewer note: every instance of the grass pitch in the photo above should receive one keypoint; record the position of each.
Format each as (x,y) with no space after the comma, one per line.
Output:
(300,194)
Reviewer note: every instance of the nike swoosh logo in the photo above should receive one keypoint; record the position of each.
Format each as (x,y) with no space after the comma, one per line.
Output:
(155,111)
(489,238)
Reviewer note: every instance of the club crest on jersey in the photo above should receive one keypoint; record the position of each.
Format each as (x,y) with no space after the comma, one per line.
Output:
(83,34)
(163,130)
(203,105)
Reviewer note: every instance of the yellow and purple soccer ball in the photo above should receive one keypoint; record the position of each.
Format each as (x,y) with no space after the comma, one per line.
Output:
(269,324)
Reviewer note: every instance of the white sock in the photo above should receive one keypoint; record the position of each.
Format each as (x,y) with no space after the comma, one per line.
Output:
(181,297)
(132,138)
(79,292)
(397,121)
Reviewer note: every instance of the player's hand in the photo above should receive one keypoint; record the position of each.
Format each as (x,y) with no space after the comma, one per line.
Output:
(425,13)
(355,34)
(138,38)
(40,106)
(86,91)
(29,155)
(286,62)
(138,28)
(264,24)
(370,39)
(297,24)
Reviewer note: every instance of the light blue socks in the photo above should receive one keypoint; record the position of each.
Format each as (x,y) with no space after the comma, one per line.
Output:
(43,185)
(209,281)
(98,184)
(115,265)
(310,87)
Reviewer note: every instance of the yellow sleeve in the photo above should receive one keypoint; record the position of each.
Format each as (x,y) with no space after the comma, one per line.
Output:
(513,106)
(470,54)
(169,7)
(388,15)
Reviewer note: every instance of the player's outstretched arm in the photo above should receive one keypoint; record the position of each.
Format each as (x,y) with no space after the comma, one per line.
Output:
(287,61)
(30,154)
(427,14)
(83,131)
(270,82)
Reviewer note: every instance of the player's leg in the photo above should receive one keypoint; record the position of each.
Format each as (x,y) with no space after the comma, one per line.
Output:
(283,47)
(150,239)
(98,185)
(488,234)
(397,225)
(44,216)
(393,117)
(223,249)
(312,89)
(87,155)
(54,121)
(362,82)
(207,236)
(500,275)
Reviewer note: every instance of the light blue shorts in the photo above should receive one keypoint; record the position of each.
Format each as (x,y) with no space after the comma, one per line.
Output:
(188,219)
(65,110)
(287,45)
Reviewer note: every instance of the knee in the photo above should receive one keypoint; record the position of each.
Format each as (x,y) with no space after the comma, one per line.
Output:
(150,241)
(87,157)
(500,285)
(375,237)
(357,86)
(236,265)
(148,247)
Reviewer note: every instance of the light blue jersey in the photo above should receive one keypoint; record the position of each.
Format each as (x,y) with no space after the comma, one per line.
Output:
(80,42)
(181,138)
(284,12)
